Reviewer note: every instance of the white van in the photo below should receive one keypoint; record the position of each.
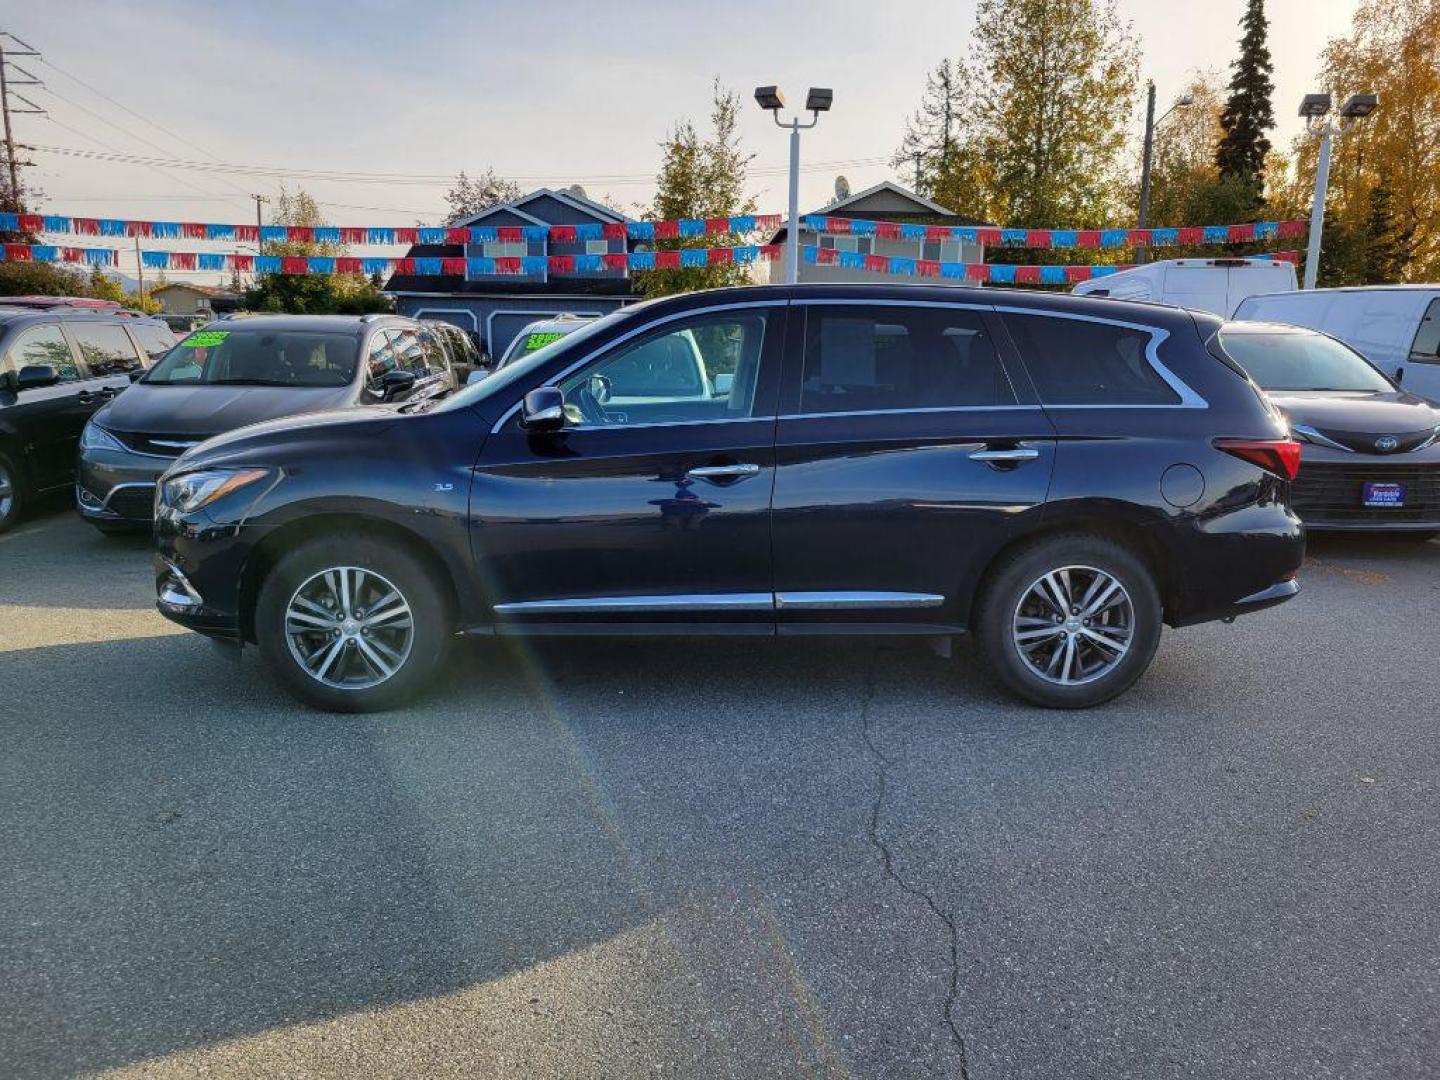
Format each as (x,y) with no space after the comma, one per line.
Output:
(1395,327)
(1216,285)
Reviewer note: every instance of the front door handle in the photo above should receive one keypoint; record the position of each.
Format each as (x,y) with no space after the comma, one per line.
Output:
(1006,457)
(723,472)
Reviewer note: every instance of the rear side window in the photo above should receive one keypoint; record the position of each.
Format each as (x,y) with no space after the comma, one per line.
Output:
(155,339)
(41,345)
(106,348)
(1077,362)
(861,359)
(1425,349)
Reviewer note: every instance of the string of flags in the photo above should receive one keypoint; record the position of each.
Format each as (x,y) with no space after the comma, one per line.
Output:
(999,273)
(1060,238)
(682,228)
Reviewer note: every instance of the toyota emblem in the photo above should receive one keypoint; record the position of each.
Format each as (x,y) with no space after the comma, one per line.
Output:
(1386,443)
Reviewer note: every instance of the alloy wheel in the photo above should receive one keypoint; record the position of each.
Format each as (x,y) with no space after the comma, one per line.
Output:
(349,628)
(7,492)
(1073,625)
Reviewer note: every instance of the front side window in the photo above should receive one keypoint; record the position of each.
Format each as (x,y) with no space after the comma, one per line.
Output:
(1078,362)
(1425,349)
(405,346)
(432,352)
(254,357)
(897,358)
(698,370)
(106,347)
(1301,361)
(42,345)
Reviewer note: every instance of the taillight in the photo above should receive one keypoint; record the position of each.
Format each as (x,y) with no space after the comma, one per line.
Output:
(1279,456)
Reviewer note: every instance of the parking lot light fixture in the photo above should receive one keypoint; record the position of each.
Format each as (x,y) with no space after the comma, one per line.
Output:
(1315,108)
(817,101)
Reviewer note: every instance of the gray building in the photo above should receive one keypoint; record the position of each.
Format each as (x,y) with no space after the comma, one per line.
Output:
(886,201)
(495,307)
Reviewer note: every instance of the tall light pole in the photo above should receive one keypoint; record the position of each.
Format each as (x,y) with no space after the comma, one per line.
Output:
(1315,108)
(816,101)
(1143,218)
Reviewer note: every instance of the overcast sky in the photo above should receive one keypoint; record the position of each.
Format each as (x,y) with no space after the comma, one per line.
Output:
(547,92)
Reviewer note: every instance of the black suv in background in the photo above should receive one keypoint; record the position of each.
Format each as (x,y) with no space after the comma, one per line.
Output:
(238,371)
(58,364)
(1055,474)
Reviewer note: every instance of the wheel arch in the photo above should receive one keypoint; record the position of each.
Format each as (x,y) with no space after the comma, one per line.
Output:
(290,535)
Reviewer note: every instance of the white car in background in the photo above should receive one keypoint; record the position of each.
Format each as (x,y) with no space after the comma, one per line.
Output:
(1215,285)
(1395,327)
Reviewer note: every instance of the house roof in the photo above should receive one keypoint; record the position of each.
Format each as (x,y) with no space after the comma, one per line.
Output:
(926,211)
(204,290)
(890,186)
(578,202)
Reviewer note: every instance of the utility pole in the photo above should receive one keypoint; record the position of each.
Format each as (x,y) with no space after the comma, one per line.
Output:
(259,199)
(1143,218)
(7,108)
(140,272)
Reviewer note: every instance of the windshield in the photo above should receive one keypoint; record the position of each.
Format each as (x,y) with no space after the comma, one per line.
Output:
(1300,361)
(518,370)
(254,357)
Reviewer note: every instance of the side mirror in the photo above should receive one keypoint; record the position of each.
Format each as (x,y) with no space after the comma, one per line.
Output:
(137,374)
(1399,375)
(724,383)
(543,410)
(34,376)
(394,382)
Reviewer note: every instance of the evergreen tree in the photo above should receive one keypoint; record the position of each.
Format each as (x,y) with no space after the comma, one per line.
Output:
(1387,249)
(1248,113)
(929,145)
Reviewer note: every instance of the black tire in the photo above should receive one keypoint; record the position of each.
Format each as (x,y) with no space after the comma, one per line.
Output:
(1008,587)
(429,610)
(12,480)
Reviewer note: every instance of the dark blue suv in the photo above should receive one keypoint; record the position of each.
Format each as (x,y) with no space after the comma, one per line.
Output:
(1056,475)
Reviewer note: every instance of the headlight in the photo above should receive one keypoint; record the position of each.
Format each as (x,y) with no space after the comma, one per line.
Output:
(95,437)
(193,491)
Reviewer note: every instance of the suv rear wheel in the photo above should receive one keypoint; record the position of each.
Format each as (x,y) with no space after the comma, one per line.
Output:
(1069,621)
(352,625)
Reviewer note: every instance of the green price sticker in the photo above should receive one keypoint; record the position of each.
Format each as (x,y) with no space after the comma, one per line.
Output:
(205,339)
(539,341)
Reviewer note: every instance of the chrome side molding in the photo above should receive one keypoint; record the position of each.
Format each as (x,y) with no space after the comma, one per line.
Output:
(711,602)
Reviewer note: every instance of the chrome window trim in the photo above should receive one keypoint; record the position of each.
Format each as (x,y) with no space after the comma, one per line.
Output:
(811,301)
(845,599)
(649,325)
(907,412)
(1318,439)
(1189,399)
(671,423)
(663,602)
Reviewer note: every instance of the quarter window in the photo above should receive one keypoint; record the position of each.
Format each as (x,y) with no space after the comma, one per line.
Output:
(155,339)
(42,345)
(880,359)
(1076,362)
(1426,347)
(106,348)
(705,369)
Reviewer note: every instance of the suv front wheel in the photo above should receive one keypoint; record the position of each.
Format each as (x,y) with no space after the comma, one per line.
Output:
(1069,621)
(352,625)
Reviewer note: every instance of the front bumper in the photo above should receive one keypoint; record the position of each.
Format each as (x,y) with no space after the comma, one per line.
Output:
(117,487)
(1328,492)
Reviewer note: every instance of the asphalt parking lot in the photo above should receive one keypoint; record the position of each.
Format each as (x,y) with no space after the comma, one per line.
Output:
(720,858)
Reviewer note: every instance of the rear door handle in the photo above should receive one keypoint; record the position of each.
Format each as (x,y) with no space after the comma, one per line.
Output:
(723,472)
(1006,457)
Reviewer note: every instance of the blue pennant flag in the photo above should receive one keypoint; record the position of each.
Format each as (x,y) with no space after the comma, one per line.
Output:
(1002,273)
(270,264)
(211,260)
(57,224)
(642,260)
(1112,238)
(155,260)
(590,231)
(813,223)
(219,232)
(535,233)
(641,230)
(379,236)
(693,257)
(427,267)
(742,223)
(902,266)
(1011,236)
(320,264)
(274,234)
(692,227)
(534,265)
(101,256)
(165,230)
(1052,275)
(1164,237)
(1266,230)
(1216,234)
(373,266)
(912,232)
(965,234)
(437,236)
(861,227)
(588,264)
(852,260)
(808,254)
(1102,271)
(1064,238)
(112,227)
(746,254)
(953,270)
(9,221)
(327,234)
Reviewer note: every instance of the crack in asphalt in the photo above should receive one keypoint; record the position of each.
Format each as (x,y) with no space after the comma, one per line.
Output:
(887,858)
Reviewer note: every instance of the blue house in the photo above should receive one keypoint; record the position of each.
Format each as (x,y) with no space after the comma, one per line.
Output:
(495,307)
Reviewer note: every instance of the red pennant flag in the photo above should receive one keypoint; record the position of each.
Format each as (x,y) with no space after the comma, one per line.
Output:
(247,234)
(937,232)
(721,256)
(667,260)
(667,230)
(1192,234)
(613,230)
(988,237)
(301,234)
(1077,273)
(1038,238)
(18,253)
(1291,228)
(291,264)
(717,226)
(1237,234)
(562,234)
(1087,238)
(192,230)
(828,256)
(137,228)
(927,268)
(887,230)
(767,221)
(507,264)
(1140,237)
(1027,275)
(770,252)
(86,226)
(351,235)
(879,264)
(347,264)
(459,235)
(402,236)
(562,264)
(1287,256)
(404,265)
(978,272)
(837,225)
(32,223)
(246,262)
(615,260)
(506,234)
(453,266)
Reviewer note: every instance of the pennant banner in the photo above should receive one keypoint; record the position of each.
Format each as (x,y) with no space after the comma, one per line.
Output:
(1060,238)
(523,265)
(735,225)
(50,254)
(999,273)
